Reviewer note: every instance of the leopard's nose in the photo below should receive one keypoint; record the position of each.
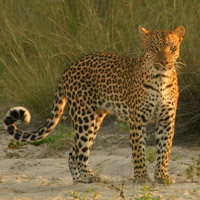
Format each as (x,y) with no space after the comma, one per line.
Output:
(164,62)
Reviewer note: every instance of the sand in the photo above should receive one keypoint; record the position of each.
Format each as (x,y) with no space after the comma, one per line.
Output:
(37,173)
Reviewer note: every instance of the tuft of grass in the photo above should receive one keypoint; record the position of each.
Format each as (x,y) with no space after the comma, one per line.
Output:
(190,172)
(123,126)
(147,194)
(151,154)
(193,170)
(37,44)
(56,142)
(89,195)
(198,167)
(13,144)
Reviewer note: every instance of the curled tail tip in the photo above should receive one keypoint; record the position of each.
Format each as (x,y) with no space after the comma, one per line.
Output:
(17,113)
(25,115)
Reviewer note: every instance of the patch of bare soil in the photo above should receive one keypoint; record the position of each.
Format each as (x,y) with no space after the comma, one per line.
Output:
(35,173)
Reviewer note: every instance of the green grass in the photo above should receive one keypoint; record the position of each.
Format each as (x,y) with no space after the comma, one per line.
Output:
(123,126)
(88,195)
(193,170)
(40,38)
(151,154)
(147,194)
(56,142)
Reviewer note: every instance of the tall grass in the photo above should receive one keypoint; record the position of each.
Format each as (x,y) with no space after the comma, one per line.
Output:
(39,39)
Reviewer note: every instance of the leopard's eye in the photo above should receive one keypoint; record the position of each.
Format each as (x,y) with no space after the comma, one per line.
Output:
(173,48)
(156,49)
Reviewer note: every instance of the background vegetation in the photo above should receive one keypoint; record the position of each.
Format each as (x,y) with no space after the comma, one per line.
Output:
(38,39)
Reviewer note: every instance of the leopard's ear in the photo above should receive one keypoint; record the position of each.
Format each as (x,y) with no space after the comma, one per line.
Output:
(179,31)
(143,32)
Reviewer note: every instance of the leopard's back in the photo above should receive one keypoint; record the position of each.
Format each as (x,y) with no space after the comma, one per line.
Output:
(98,80)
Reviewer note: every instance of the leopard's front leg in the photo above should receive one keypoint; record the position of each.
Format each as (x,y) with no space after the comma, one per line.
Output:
(137,136)
(164,138)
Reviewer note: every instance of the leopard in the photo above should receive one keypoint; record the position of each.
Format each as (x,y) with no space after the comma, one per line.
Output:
(137,90)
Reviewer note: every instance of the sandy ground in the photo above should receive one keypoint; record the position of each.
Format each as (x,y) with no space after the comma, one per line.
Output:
(35,173)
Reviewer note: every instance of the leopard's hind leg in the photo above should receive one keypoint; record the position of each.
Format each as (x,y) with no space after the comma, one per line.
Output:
(85,131)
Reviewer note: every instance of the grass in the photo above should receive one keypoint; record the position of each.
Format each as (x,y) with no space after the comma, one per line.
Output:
(56,142)
(151,154)
(123,126)
(147,194)
(88,195)
(41,38)
(193,170)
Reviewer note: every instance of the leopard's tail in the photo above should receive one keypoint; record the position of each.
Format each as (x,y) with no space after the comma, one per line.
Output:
(21,113)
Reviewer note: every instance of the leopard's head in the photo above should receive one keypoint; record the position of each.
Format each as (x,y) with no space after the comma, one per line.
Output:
(162,47)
